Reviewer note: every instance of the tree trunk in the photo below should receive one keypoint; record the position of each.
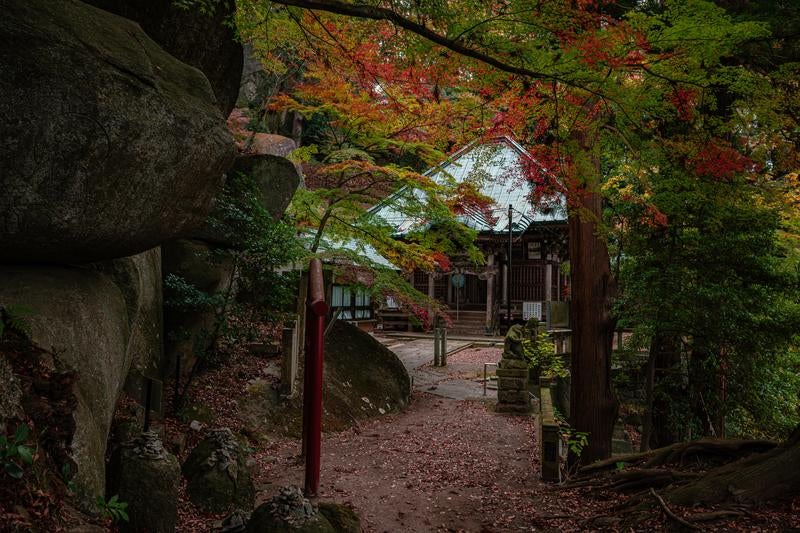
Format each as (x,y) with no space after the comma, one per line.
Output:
(766,476)
(594,407)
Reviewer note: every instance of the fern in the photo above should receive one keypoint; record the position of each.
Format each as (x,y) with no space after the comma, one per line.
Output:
(16,317)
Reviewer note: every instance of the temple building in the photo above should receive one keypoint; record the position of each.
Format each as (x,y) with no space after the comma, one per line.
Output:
(524,244)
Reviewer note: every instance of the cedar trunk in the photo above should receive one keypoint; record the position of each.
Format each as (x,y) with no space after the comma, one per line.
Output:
(593,405)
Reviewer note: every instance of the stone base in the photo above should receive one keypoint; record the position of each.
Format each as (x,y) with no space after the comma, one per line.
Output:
(513,397)
(512,408)
(519,373)
(509,364)
(512,384)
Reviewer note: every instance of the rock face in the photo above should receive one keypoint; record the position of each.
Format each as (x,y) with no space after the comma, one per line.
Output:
(188,330)
(205,41)
(116,147)
(148,481)
(288,512)
(99,322)
(139,279)
(217,473)
(81,314)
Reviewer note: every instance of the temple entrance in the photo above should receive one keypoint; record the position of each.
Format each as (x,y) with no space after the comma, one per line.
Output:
(466,292)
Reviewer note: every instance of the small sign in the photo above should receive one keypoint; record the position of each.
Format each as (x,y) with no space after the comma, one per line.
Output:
(532,310)
(458,280)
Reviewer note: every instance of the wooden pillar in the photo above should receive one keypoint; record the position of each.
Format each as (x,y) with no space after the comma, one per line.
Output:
(558,283)
(289,363)
(548,281)
(489,293)
(431,293)
(449,289)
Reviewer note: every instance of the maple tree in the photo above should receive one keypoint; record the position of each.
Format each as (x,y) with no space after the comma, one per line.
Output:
(369,129)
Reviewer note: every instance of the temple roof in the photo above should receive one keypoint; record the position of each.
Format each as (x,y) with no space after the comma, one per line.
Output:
(495,167)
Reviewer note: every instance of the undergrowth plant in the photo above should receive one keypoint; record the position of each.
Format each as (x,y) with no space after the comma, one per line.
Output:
(540,353)
(15,453)
(15,317)
(575,442)
(113,508)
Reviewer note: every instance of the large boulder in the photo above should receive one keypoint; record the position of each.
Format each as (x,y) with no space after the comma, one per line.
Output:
(110,144)
(276,179)
(204,40)
(80,315)
(139,278)
(362,377)
(253,142)
(217,474)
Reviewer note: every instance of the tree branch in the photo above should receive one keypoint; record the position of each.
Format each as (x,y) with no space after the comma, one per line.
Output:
(382,13)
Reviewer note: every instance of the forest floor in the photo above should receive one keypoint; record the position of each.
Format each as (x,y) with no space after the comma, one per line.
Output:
(447,463)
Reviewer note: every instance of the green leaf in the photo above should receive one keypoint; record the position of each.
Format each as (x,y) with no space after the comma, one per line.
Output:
(13,470)
(25,454)
(22,433)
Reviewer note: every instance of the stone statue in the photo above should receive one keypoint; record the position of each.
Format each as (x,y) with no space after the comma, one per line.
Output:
(512,347)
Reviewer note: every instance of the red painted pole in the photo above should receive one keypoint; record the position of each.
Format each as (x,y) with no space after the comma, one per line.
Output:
(316,309)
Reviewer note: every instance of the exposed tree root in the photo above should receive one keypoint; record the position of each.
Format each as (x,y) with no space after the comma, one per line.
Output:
(764,471)
(635,479)
(638,479)
(713,451)
(774,474)
(671,514)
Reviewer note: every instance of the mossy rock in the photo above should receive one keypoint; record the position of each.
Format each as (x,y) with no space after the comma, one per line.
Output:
(149,482)
(342,517)
(263,521)
(217,474)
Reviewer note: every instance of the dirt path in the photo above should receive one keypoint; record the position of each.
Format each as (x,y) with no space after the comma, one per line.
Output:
(446,464)
(442,465)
